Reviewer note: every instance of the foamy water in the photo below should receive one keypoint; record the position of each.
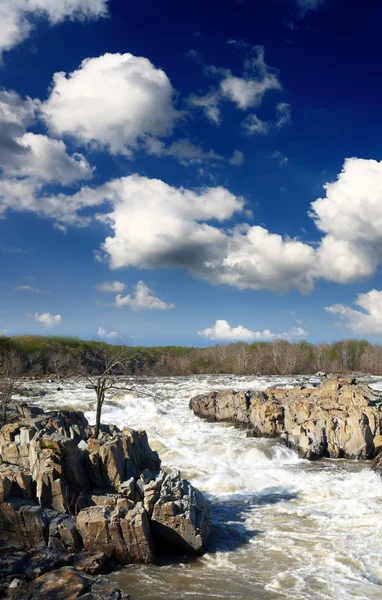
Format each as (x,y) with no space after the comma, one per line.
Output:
(283,527)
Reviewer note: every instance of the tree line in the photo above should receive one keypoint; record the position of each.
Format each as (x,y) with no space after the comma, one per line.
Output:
(66,356)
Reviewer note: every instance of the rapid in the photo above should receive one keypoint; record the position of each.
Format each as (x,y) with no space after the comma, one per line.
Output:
(282,527)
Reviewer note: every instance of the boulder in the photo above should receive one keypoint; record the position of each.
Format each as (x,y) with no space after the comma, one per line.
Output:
(121,534)
(339,418)
(180,516)
(68,584)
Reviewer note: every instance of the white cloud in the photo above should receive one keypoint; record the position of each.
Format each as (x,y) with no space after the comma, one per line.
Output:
(209,104)
(159,225)
(257,259)
(156,225)
(367,321)
(351,218)
(103,334)
(29,161)
(47,160)
(248,91)
(222,330)
(245,92)
(116,101)
(283,115)
(28,288)
(111,286)
(253,125)
(142,299)
(48,319)
(15,23)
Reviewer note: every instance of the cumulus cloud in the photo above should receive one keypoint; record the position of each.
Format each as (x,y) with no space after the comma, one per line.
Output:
(155,225)
(142,299)
(48,319)
(15,16)
(116,101)
(158,225)
(350,216)
(111,286)
(110,335)
(29,161)
(222,330)
(46,159)
(367,321)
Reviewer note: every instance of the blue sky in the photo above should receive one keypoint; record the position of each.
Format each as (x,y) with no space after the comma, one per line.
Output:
(218,165)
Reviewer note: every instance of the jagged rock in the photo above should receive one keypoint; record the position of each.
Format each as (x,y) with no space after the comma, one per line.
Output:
(92,564)
(340,418)
(180,517)
(121,534)
(68,584)
(118,459)
(63,492)
(63,535)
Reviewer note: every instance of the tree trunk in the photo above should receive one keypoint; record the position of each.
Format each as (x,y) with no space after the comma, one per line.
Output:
(100,397)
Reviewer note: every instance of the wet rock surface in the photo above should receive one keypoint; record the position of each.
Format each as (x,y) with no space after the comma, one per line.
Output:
(338,419)
(78,506)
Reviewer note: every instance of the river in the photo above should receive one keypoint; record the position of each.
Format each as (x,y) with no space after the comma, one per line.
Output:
(282,527)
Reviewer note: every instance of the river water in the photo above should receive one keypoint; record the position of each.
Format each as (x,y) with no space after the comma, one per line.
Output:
(282,527)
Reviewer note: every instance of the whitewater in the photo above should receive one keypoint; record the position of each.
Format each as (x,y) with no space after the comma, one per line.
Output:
(282,527)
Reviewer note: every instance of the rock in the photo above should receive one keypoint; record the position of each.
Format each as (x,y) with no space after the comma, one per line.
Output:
(68,584)
(15,583)
(12,563)
(43,561)
(117,460)
(377,464)
(92,564)
(339,418)
(180,517)
(121,534)
(66,497)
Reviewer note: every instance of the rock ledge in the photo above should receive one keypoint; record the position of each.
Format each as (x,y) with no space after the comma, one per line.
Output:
(339,419)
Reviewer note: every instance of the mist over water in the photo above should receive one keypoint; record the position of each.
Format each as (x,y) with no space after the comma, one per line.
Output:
(283,527)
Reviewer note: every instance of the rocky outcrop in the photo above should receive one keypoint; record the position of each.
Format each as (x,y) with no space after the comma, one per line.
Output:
(63,491)
(68,584)
(339,419)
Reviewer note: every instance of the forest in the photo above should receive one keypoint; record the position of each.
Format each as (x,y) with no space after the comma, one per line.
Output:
(67,356)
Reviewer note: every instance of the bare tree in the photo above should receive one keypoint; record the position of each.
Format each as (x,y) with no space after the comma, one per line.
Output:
(285,356)
(10,370)
(102,365)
